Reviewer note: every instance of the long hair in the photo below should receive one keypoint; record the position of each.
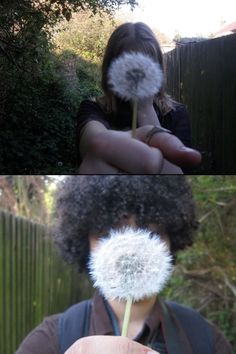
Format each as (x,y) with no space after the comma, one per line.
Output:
(132,37)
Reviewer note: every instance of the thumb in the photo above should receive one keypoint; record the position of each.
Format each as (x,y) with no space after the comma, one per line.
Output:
(171,147)
(175,151)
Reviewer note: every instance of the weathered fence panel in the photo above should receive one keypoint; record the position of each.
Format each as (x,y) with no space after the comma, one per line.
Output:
(34,281)
(203,77)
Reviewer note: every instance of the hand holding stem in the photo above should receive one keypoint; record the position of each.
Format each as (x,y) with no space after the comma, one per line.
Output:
(144,114)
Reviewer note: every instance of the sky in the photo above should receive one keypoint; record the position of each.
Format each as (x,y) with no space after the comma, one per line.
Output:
(186,17)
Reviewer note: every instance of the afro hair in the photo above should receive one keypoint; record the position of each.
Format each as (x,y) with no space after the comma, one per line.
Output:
(94,204)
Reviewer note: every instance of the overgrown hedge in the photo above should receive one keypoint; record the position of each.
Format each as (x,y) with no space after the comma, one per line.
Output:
(38,104)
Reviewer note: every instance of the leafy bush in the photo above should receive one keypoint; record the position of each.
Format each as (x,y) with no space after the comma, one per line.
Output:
(86,35)
(37,132)
(204,277)
(38,100)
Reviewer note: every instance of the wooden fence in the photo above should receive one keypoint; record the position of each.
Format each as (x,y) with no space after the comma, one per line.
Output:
(203,77)
(34,281)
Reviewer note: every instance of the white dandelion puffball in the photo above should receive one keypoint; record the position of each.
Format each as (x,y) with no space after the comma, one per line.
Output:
(134,76)
(130,263)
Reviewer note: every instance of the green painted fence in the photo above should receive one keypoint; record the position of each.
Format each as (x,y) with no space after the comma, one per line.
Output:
(34,281)
(203,77)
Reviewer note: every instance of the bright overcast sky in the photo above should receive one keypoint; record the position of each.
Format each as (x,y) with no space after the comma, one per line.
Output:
(187,17)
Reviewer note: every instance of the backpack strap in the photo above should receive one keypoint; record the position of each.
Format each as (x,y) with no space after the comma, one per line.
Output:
(74,324)
(196,328)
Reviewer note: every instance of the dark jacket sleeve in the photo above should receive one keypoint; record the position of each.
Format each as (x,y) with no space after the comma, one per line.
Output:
(221,344)
(42,339)
(88,111)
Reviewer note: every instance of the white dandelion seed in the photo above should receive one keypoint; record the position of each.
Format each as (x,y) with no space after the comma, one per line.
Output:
(130,264)
(135,76)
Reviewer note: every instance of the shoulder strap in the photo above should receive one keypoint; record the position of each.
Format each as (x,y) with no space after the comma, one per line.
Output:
(74,324)
(197,329)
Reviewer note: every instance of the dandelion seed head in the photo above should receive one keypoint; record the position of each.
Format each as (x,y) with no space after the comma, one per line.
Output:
(135,76)
(130,263)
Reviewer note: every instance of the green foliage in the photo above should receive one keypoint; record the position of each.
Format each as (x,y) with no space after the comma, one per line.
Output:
(37,132)
(86,35)
(204,277)
(23,24)
(39,100)
(25,196)
(88,80)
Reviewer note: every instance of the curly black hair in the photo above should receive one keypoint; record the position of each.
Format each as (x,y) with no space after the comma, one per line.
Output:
(92,204)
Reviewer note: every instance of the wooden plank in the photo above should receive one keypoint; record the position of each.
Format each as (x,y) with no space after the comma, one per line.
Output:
(34,279)
(33,274)
(229,103)
(7,285)
(13,283)
(24,276)
(207,86)
(2,274)
(18,281)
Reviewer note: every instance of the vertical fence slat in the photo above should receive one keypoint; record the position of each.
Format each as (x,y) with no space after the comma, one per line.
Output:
(24,275)
(2,275)
(13,281)
(7,286)
(32,277)
(202,76)
(34,281)
(18,282)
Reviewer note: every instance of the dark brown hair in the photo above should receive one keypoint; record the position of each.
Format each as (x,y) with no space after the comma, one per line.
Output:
(133,37)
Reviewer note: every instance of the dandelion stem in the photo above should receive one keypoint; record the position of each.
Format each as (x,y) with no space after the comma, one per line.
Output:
(134,120)
(126,317)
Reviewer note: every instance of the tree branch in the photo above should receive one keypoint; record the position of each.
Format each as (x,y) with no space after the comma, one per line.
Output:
(203,272)
(208,299)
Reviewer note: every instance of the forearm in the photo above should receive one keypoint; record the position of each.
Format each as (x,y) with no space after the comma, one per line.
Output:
(118,150)
(88,134)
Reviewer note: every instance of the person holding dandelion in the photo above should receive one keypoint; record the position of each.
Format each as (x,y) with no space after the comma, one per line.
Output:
(136,127)
(125,231)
